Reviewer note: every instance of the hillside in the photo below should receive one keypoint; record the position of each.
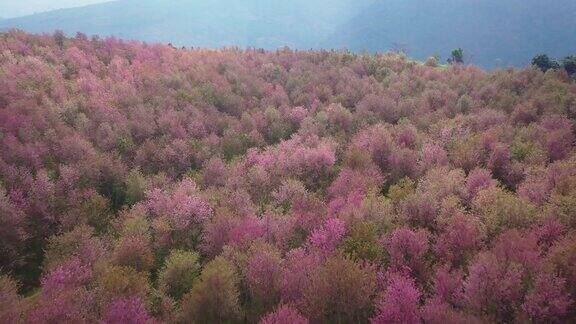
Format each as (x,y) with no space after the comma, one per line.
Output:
(494,33)
(216,23)
(143,183)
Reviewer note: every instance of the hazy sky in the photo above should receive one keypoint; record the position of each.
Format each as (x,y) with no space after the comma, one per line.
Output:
(15,8)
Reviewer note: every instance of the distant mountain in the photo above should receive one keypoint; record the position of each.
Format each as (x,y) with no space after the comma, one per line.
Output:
(210,23)
(492,32)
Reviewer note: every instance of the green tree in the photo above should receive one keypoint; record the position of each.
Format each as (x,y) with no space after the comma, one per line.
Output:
(569,64)
(179,273)
(59,38)
(362,243)
(340,291)
(136,186)
(544,63)
(215,297)
(457,56)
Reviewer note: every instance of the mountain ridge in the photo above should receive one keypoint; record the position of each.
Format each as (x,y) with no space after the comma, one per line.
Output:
(492,33)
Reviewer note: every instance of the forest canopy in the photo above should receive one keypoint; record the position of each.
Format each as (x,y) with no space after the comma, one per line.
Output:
(140,183)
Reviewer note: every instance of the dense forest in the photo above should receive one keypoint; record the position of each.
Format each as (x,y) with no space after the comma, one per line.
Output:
(140,183)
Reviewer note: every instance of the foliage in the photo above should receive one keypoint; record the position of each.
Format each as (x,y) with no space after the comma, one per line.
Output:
(10,304)
(147,183)
(340,291)
(215,298)
(569,65)
(180,270)
(399,302)
(456,56)
(544,63)
(127,311)
(263,277)
(284,315)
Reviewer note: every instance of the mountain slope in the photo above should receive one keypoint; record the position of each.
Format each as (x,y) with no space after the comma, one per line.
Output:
(258,23)
(492,32)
